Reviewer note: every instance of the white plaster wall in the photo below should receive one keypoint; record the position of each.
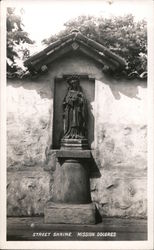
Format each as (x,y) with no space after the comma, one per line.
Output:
(29,120)
(121,150)
(119,146)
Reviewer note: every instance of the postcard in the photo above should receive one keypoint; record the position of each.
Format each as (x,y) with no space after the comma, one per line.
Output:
(77,124)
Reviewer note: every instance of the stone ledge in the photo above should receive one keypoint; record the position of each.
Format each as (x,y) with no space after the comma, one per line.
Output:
(58,213)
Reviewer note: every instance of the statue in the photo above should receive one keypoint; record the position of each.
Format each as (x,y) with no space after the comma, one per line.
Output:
(74,111)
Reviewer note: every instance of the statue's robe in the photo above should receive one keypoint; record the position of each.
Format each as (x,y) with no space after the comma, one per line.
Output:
(74,115)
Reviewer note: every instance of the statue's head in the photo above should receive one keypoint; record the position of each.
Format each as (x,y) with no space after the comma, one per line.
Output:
(74,82)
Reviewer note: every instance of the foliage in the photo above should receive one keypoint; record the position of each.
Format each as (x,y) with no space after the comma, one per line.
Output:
(122,35)
(17,41)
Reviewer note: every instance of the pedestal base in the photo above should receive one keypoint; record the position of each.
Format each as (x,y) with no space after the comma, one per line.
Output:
(74,144)
(69,213)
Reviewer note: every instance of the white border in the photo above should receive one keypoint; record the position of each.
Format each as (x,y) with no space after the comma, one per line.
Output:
(76,244)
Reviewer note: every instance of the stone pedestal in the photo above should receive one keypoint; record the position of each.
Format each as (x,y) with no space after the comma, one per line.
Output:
(71,202)
(71,183)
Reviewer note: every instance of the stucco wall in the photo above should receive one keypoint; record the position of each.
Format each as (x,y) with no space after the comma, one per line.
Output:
(118,183)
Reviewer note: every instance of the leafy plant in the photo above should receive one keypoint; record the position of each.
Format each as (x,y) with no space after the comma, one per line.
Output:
(17,41)
(122,35)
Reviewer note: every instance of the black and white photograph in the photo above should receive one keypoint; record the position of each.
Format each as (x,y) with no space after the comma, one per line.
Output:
(76,134)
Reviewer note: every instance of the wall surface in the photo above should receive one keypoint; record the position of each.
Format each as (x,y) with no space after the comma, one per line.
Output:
(118,182)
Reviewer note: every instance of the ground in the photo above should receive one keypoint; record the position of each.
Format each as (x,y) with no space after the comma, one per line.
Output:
(110,229)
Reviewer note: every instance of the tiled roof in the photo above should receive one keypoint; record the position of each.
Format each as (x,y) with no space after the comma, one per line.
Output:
(72,42)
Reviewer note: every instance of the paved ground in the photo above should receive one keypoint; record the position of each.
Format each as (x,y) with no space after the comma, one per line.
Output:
(111,229)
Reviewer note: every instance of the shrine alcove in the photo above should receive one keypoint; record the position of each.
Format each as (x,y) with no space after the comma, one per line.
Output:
(60,89)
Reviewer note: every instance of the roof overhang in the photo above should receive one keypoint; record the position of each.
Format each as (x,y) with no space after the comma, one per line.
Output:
(73,43)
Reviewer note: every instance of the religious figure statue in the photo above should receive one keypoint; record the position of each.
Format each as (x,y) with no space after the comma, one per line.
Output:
(74,111)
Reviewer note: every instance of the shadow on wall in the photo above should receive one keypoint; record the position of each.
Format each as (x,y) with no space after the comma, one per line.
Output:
(41,85)
(125,87)
(94,170)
